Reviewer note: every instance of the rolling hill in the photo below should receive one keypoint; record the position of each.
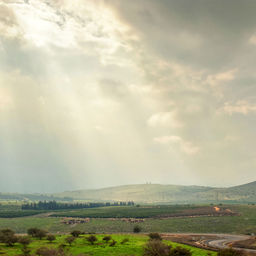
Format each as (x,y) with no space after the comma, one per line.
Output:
(150,193)
(156,193)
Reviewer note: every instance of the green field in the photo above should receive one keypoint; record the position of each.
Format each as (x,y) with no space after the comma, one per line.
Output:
(243,223)
(127,212)
(133,247)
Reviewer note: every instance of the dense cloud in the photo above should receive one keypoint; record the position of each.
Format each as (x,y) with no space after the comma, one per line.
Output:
(100,93)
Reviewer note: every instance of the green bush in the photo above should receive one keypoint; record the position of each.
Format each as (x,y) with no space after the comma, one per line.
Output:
(91,239)
(70,239)
(155,236)
(76,233)
(180,251)
(137,229)
(156,248)
(50,238)
(106,238)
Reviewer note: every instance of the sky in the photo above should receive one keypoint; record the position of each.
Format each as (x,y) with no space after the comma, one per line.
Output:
(110,92)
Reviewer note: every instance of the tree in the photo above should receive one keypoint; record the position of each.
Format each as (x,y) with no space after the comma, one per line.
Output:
(8,237)
(70,239)
(40,234)
(51,238)
(76,233)
(106,238)
(32,231)
(137,229)
(155,236)
(25,241)
(91,239)
(156,248)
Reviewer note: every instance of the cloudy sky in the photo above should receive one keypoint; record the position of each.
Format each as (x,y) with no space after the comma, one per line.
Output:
(109,92)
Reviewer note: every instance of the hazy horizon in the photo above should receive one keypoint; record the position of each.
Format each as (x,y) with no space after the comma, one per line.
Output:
(120,185)
(109,92)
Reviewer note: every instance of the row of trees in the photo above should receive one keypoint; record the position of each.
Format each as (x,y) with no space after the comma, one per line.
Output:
(54,205)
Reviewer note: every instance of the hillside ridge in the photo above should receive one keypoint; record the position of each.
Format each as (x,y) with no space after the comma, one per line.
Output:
(150,193)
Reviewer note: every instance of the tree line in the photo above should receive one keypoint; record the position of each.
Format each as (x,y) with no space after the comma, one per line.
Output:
(54,205)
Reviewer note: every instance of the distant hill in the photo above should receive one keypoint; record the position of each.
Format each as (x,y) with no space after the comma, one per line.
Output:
(156,193)
(150,193)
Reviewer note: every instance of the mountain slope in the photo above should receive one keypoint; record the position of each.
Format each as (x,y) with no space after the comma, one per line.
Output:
(150,193)
(156,193)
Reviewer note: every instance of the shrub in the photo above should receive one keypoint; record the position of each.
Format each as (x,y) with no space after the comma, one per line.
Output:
(230,252)
(32,231)
(8,237)
(70,239)
(180,251)
(76,233)
(106,238)
(156,248)
(113,243)
(137,229)
(44,251)
(51,238)
(40,234)
(155,236)
(91,239)
(125,240)
(36,232)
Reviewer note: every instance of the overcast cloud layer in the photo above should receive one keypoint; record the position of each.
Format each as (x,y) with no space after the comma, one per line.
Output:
(101,93)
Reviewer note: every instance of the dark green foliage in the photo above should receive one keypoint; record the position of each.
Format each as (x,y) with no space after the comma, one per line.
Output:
(131,212)
(91,239)
(230,252)
(50,238)
(180,251)
(70,239)
(53,205)
(32,231)
(76,233)
(137,229)
(125,240)
(18,213)
(106,238)
(155,236)
(156,248)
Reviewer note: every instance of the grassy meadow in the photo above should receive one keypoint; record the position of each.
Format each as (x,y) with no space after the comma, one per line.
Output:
(243,223)
(134,246)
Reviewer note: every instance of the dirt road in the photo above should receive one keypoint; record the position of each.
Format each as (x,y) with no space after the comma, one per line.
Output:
(217,241)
